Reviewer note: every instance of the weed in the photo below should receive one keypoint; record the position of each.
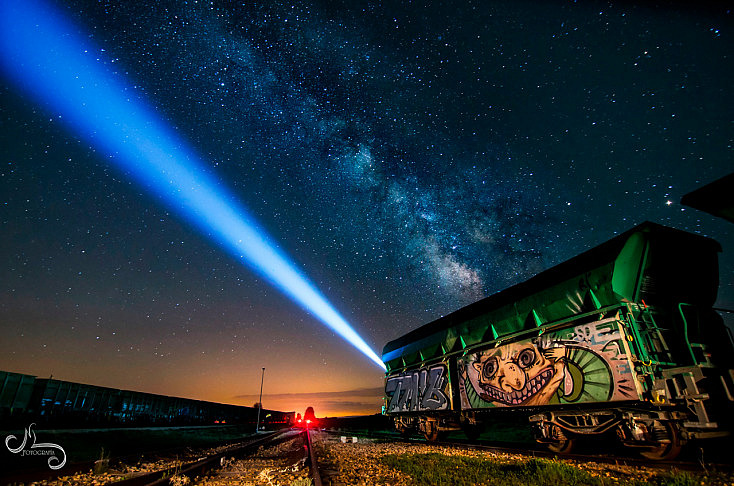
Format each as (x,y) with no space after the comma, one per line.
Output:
(671,479)
(178,480)
(102,464)
(302,482)
(438,469)
(456,470)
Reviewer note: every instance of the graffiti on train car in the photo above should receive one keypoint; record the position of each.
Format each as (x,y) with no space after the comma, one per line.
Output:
(418,390)
(583,363)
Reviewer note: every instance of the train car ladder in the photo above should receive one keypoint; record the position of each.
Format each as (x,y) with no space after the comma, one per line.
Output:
(702,358)
(652,348)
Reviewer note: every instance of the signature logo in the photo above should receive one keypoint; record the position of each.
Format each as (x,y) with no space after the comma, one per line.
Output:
(41,449)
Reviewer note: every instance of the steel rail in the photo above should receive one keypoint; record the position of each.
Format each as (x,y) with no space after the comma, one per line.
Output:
(313,463)
(35,475)
(194,468)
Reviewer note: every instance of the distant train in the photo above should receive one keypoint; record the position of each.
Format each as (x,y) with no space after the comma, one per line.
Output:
(622,340)
(47,402)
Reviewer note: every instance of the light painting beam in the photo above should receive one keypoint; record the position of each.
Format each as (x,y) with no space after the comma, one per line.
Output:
(47,58)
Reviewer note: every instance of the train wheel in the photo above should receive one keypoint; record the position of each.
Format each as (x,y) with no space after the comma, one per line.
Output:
(472,431)
(401,427)
(561,444)
(669,447)
(430,430)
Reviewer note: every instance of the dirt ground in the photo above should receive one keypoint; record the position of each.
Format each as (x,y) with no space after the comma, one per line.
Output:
(358,463)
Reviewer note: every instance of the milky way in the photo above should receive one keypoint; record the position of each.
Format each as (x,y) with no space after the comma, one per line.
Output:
(299,90)
(412,159)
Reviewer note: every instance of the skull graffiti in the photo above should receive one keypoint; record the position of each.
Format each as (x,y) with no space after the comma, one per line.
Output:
(520,373)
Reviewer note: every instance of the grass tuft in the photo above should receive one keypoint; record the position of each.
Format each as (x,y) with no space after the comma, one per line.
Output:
(671,479)
(439,469)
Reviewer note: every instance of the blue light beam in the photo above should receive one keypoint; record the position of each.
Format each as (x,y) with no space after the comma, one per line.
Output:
(47,58)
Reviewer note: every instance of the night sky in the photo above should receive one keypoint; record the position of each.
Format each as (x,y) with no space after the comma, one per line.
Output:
(410,160)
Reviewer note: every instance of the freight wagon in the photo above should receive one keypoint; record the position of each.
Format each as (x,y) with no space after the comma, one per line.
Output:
(26,399)
(621,340)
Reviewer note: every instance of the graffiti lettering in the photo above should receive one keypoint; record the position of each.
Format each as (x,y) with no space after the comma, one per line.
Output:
(594,334)
(418,390)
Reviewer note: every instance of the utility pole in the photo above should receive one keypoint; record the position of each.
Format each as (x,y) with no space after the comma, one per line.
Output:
(260,403)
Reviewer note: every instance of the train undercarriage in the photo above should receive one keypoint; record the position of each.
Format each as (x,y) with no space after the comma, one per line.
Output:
(656,435)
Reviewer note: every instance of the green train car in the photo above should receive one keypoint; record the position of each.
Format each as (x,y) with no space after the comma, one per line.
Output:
(621,340)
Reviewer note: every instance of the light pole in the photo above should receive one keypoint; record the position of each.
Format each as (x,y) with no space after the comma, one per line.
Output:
(260,403)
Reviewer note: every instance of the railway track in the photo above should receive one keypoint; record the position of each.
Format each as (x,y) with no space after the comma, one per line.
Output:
(198,467)
(289,457)
(286,453)
(313,462)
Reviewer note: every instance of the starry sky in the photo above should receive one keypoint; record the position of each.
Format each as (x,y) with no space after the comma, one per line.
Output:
(411,159)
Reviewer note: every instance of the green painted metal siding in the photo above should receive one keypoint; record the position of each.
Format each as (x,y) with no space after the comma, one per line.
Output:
(566,299)
(609,274)
(628,268)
